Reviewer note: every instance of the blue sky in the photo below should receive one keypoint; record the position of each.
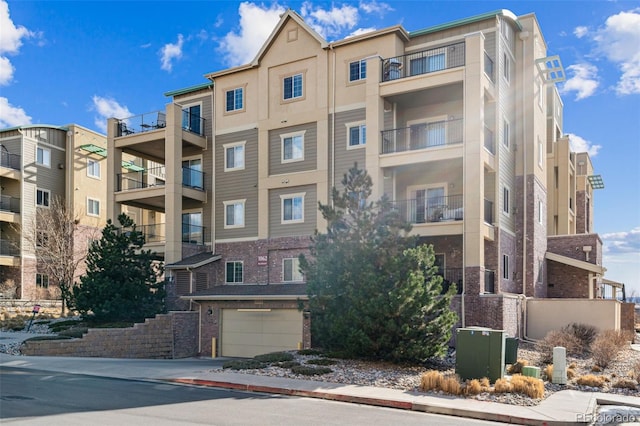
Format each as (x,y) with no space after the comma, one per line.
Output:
(81,62)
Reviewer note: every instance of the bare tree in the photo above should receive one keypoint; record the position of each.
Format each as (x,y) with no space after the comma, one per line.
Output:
(60,244)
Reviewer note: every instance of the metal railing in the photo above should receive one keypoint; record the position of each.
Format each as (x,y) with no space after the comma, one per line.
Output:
(489,67)
(138,180)
(193,234)
(423,135)
(489,140)
(9,248)
(11,161)
(489,281)
(193,178)
(9,204)
(153,233)
(142,123)
(192,123)
(423,62)
(451,276)
(432,209)
(488,211)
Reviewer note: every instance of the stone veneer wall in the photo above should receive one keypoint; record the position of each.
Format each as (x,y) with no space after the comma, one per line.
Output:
(172,335)
(628,316)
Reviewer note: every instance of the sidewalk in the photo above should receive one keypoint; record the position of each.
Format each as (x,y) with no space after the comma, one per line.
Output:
(561,408)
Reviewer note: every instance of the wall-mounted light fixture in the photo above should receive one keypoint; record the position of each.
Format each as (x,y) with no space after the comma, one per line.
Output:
(209,311)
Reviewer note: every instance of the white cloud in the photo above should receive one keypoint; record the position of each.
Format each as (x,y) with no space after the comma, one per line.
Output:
(375,7)
(622,242)
(10,42)
(11,116)
(360,31)
(108,108)
(331,22)
(579,144)
(618,41)
(171,51)
(256,24)
(580,32)
(6,71)
(584,81)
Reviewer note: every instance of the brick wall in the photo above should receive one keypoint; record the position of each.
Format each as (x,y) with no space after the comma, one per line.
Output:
(566,281)
(172,335)
(628,316)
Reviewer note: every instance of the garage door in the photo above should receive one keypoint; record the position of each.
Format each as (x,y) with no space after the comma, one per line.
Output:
(247,333)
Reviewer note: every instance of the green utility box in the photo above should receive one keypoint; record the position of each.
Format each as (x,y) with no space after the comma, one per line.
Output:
(480,352)
(510,350)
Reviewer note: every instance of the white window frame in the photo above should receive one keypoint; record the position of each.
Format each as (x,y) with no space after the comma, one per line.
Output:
(47,198)
(285,197)
(234,203)
(540,211)
(505,266)
(506,67)
(90,202)
(291,136)
(362,134)
(92,166)
(40,280)
(292,77)
(233,146)
(296,275)
(360,63)
(43,157)
(506,133)
(226,275)
(235,107)
(541,154)
(506,200)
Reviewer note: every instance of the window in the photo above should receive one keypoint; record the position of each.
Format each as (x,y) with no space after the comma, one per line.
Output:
(506,70)
(357,70)
(540,154)
(430,63)
(93,168)
(42,238)
(191,119)
(292,148)
(505,200)
(192,174)
(42,197)
(234,156)
(291,270)
(539,211)
(357,136)
(506,133)
(292,208)
(540,93)
(43,157)
(42,280)
(93,207)
(192,229)
(235,100)
(234,272)
(234,214)
(292,87)
(505,266)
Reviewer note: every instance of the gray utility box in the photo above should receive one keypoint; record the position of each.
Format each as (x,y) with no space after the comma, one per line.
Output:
(480,353)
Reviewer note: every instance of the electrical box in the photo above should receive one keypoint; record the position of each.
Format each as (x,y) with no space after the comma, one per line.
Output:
(480,352)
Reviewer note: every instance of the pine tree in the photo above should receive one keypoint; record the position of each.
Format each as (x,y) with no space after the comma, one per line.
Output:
(122,281)
(373,290)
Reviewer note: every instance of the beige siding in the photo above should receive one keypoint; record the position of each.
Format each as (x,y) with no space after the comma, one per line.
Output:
(277,228)
(276,166)
(345,158)
(237,184)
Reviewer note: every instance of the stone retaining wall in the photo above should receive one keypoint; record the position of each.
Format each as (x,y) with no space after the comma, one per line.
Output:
(172,335)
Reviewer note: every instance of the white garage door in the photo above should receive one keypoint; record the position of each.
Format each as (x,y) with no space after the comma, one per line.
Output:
(247,333)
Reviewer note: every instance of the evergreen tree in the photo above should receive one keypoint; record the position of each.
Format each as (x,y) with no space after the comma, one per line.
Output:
(122,281)
(373,290)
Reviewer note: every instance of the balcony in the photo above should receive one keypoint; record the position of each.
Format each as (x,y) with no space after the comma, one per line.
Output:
(8,160)
(9,248)
(157,120)
(451,276)
(489,67)
(489,281)
(421,136)
(193,234)
(488,211)
(140,179)
(431,210)
(423,62)
(489,140)
(153,233)
(9,204)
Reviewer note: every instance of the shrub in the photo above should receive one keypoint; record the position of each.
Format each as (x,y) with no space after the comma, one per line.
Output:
(451,385)
(274,357)
(530,386)
(606,346)
(243,364)
(48,337)
(322,361)
(286,364)
(517,367)
(548,372)
(502,386)
(431,380)
(584,332)
(591,380)
(626,384)
(554,338)
(571,373)
(473,387)
(485,383)
(596,369)
(309,352)
(76,332)
(635,372)
(310,371)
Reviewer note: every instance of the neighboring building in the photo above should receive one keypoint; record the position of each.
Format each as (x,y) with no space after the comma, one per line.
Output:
(459,124)
(39,163)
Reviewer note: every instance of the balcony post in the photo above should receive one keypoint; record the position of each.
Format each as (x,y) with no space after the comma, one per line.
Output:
(114,168)
(173,184)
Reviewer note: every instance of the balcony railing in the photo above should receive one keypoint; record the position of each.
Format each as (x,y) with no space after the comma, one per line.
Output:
(138,180)
(451,276)
(432,209)
(488,66)
(489,140)
(9,248)
(192,122)
(423,62)
(9,204)
(12,161)
(193,234)
(153,233)
(489,281)
(423,135)
(488,211)
(193,178)
(142,123)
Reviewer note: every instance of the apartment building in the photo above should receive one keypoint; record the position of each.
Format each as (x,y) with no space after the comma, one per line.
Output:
(459,124)
(39,164)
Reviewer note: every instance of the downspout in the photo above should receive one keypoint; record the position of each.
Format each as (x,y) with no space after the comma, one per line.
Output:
(213,168)
(524,36)
(199,323)
(333,125)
